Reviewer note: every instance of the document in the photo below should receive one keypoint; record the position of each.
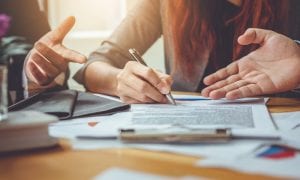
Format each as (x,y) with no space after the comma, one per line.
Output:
(276,161)
(101,126)
(193,114)
(205,113)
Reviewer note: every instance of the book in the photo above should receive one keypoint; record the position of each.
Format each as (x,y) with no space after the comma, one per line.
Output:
(67,104)
(25,130)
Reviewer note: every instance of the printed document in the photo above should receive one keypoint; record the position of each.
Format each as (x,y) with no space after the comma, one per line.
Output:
(247,114)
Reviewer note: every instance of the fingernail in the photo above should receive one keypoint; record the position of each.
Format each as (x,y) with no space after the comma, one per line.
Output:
(165,90)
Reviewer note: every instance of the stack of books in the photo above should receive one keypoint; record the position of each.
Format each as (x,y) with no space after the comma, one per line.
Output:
(25,130)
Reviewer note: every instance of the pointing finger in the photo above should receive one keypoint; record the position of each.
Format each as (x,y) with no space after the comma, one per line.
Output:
(72,56)
(221,74)
(58,34)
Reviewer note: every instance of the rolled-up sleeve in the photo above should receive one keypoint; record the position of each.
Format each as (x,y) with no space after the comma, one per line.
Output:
(140,29)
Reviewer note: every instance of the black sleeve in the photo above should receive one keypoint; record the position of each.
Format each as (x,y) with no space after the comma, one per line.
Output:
(27,19)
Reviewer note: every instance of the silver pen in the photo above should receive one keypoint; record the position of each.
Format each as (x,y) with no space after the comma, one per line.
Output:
(137,57)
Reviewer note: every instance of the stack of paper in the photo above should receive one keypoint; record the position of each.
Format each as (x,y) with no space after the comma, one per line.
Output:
(280,158)
(26,130)
(197,112)
(270,160)
(243,116)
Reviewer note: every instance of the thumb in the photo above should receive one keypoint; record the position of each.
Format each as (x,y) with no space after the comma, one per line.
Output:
(254,36)
(58,34)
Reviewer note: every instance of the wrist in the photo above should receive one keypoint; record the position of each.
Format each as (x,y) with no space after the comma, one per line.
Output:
(114,81)
(101,77)
(298,58)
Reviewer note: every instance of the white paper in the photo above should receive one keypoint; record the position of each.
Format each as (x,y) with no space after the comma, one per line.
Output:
(290,138)
(97,126)
(231,149)
(121,173)
(287,120)
(204,115)
(285,168)
(248,114)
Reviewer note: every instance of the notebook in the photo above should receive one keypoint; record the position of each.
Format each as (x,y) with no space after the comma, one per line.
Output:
(67,104)
(25,130)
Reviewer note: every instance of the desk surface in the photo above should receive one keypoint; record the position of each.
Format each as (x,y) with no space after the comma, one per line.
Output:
(63,163)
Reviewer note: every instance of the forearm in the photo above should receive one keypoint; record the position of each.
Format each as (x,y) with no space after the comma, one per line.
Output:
(101,77)
(298,58)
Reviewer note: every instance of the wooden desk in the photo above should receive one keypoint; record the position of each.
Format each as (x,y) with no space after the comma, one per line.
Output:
(63,163)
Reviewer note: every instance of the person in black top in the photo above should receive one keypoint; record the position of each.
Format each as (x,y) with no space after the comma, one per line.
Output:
(200,37)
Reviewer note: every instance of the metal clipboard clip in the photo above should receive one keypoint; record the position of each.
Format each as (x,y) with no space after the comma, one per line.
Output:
(183,135)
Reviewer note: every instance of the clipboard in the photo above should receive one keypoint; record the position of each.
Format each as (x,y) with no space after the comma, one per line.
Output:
(175,136)
(184,135)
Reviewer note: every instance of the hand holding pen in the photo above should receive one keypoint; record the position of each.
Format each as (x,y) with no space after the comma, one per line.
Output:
(137,83)
(137,57)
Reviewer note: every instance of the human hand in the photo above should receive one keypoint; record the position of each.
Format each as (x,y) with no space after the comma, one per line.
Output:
(272,68)
(137,83)
(50,57)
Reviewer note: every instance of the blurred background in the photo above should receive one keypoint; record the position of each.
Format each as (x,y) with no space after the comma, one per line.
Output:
(96,19)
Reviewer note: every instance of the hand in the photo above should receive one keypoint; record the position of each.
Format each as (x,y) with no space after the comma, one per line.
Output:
(49,57)
(139,84)
(272,68)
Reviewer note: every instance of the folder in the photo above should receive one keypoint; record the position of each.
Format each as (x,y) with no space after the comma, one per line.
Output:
(67,104)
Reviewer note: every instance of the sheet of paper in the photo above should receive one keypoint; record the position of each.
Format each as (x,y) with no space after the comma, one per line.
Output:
(231,149)
(279,164)
(98,126)
(287,120)
(247,114)
(121,173)
(224,116)
(290,138)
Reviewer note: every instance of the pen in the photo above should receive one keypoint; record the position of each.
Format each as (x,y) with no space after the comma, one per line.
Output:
(137,57)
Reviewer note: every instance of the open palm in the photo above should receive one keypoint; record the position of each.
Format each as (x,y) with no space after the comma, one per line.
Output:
(274,67)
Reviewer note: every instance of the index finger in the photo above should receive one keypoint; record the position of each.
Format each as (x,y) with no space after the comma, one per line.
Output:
(72,56)
(152,77)
(62,30)
(221,74)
